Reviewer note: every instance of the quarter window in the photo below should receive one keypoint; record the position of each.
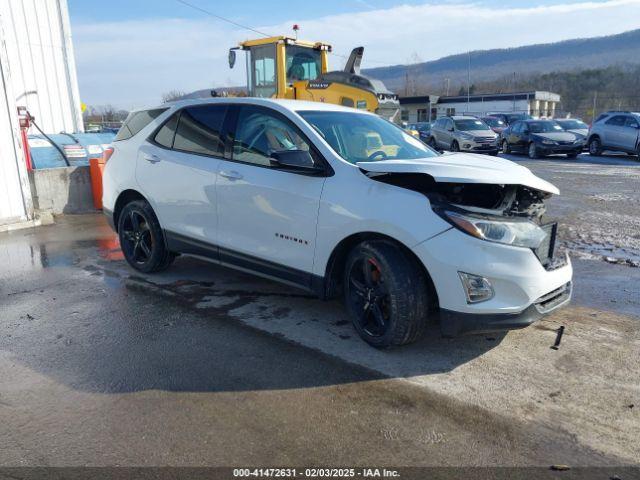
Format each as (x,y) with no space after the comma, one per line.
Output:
(199,130)
(136,121)
(260,133)
(165,135)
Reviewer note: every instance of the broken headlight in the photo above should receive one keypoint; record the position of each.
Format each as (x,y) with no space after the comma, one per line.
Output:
(510,231)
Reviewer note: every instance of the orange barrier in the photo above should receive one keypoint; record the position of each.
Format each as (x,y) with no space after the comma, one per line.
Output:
(96,167)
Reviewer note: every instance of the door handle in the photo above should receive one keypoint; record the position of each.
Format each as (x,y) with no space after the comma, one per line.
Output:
(231,175)
(151,158)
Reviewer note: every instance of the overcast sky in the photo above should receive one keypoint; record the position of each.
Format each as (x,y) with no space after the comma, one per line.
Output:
(129,53)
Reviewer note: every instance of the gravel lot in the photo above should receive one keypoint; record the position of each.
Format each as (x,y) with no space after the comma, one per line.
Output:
(201,365)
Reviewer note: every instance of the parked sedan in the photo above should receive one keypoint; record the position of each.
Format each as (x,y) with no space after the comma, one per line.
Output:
(423,129)
(574,125)
(511,118)
(538,138)
(495,123)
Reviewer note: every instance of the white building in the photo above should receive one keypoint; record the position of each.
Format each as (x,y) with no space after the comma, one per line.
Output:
(429,107)
(37,71)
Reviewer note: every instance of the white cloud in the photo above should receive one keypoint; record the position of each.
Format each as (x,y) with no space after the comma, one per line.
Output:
(132,63)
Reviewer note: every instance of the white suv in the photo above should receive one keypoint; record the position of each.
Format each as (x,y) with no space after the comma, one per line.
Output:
(338,202)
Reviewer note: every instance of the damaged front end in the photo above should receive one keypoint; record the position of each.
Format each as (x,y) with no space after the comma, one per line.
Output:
(510,214)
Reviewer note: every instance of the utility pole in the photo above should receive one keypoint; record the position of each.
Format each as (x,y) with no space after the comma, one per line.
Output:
(595,101)
(469,82)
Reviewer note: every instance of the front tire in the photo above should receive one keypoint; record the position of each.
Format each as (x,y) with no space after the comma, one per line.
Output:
(455,147)
(595,147)
(505,147)
(572,155)
(142,239)
(386,294)
(533,151)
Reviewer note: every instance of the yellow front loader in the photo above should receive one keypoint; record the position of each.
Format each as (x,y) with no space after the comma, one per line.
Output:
(284,67)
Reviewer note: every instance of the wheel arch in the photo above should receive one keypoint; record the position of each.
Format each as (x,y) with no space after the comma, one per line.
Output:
(123,199)
(332,287)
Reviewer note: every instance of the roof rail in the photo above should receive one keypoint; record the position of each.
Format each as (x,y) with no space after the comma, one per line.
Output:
(618,111)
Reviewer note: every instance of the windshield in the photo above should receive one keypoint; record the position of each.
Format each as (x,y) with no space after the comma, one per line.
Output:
(359,137)
(471,124)
(572,124)
(544,127)
(494,122)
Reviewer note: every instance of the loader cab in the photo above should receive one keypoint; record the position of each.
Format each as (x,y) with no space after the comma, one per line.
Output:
(275,64)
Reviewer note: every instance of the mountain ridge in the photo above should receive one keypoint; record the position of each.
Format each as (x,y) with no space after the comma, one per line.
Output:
(486,65)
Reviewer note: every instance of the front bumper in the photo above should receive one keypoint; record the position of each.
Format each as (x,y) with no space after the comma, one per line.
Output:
(559,149)
(453,324)
(489,145)
(517,276)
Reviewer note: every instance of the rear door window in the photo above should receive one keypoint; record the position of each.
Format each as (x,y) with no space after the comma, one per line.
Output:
(617,121)
(200,130)
(631,122)
(136,121)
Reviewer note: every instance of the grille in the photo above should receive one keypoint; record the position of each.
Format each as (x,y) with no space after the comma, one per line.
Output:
(546,249)
(554,299)
(483,139)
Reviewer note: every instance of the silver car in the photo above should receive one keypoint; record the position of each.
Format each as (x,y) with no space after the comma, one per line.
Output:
(463,134)
(618,131)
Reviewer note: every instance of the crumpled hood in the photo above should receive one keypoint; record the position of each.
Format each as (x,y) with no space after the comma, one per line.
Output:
(464,168)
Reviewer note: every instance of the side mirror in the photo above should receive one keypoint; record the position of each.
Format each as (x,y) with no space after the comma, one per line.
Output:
(232,57)
(299,161)
(450,129)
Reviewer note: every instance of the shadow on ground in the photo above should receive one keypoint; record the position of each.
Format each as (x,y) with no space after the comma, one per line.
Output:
(77,313)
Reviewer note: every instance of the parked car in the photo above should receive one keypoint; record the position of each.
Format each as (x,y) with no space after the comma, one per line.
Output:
(509,118)
(495,123)
(538,138)
(574,125)
(290,190)
(463,134)
(618,131)
(423,129)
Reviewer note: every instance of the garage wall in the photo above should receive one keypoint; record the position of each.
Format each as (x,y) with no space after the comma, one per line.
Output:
(15,194)
(41,59)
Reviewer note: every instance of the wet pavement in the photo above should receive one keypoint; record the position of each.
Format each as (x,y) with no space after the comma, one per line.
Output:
(201,365)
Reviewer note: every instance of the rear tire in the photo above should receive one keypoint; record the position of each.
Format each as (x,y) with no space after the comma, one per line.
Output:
(386,294)
(432,143)
(142,239)
(595,147)
(505,147)
(572,155)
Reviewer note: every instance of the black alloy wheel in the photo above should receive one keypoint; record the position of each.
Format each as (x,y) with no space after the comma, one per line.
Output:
(369,297)
(386,293)
(142,239)
(137,242)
